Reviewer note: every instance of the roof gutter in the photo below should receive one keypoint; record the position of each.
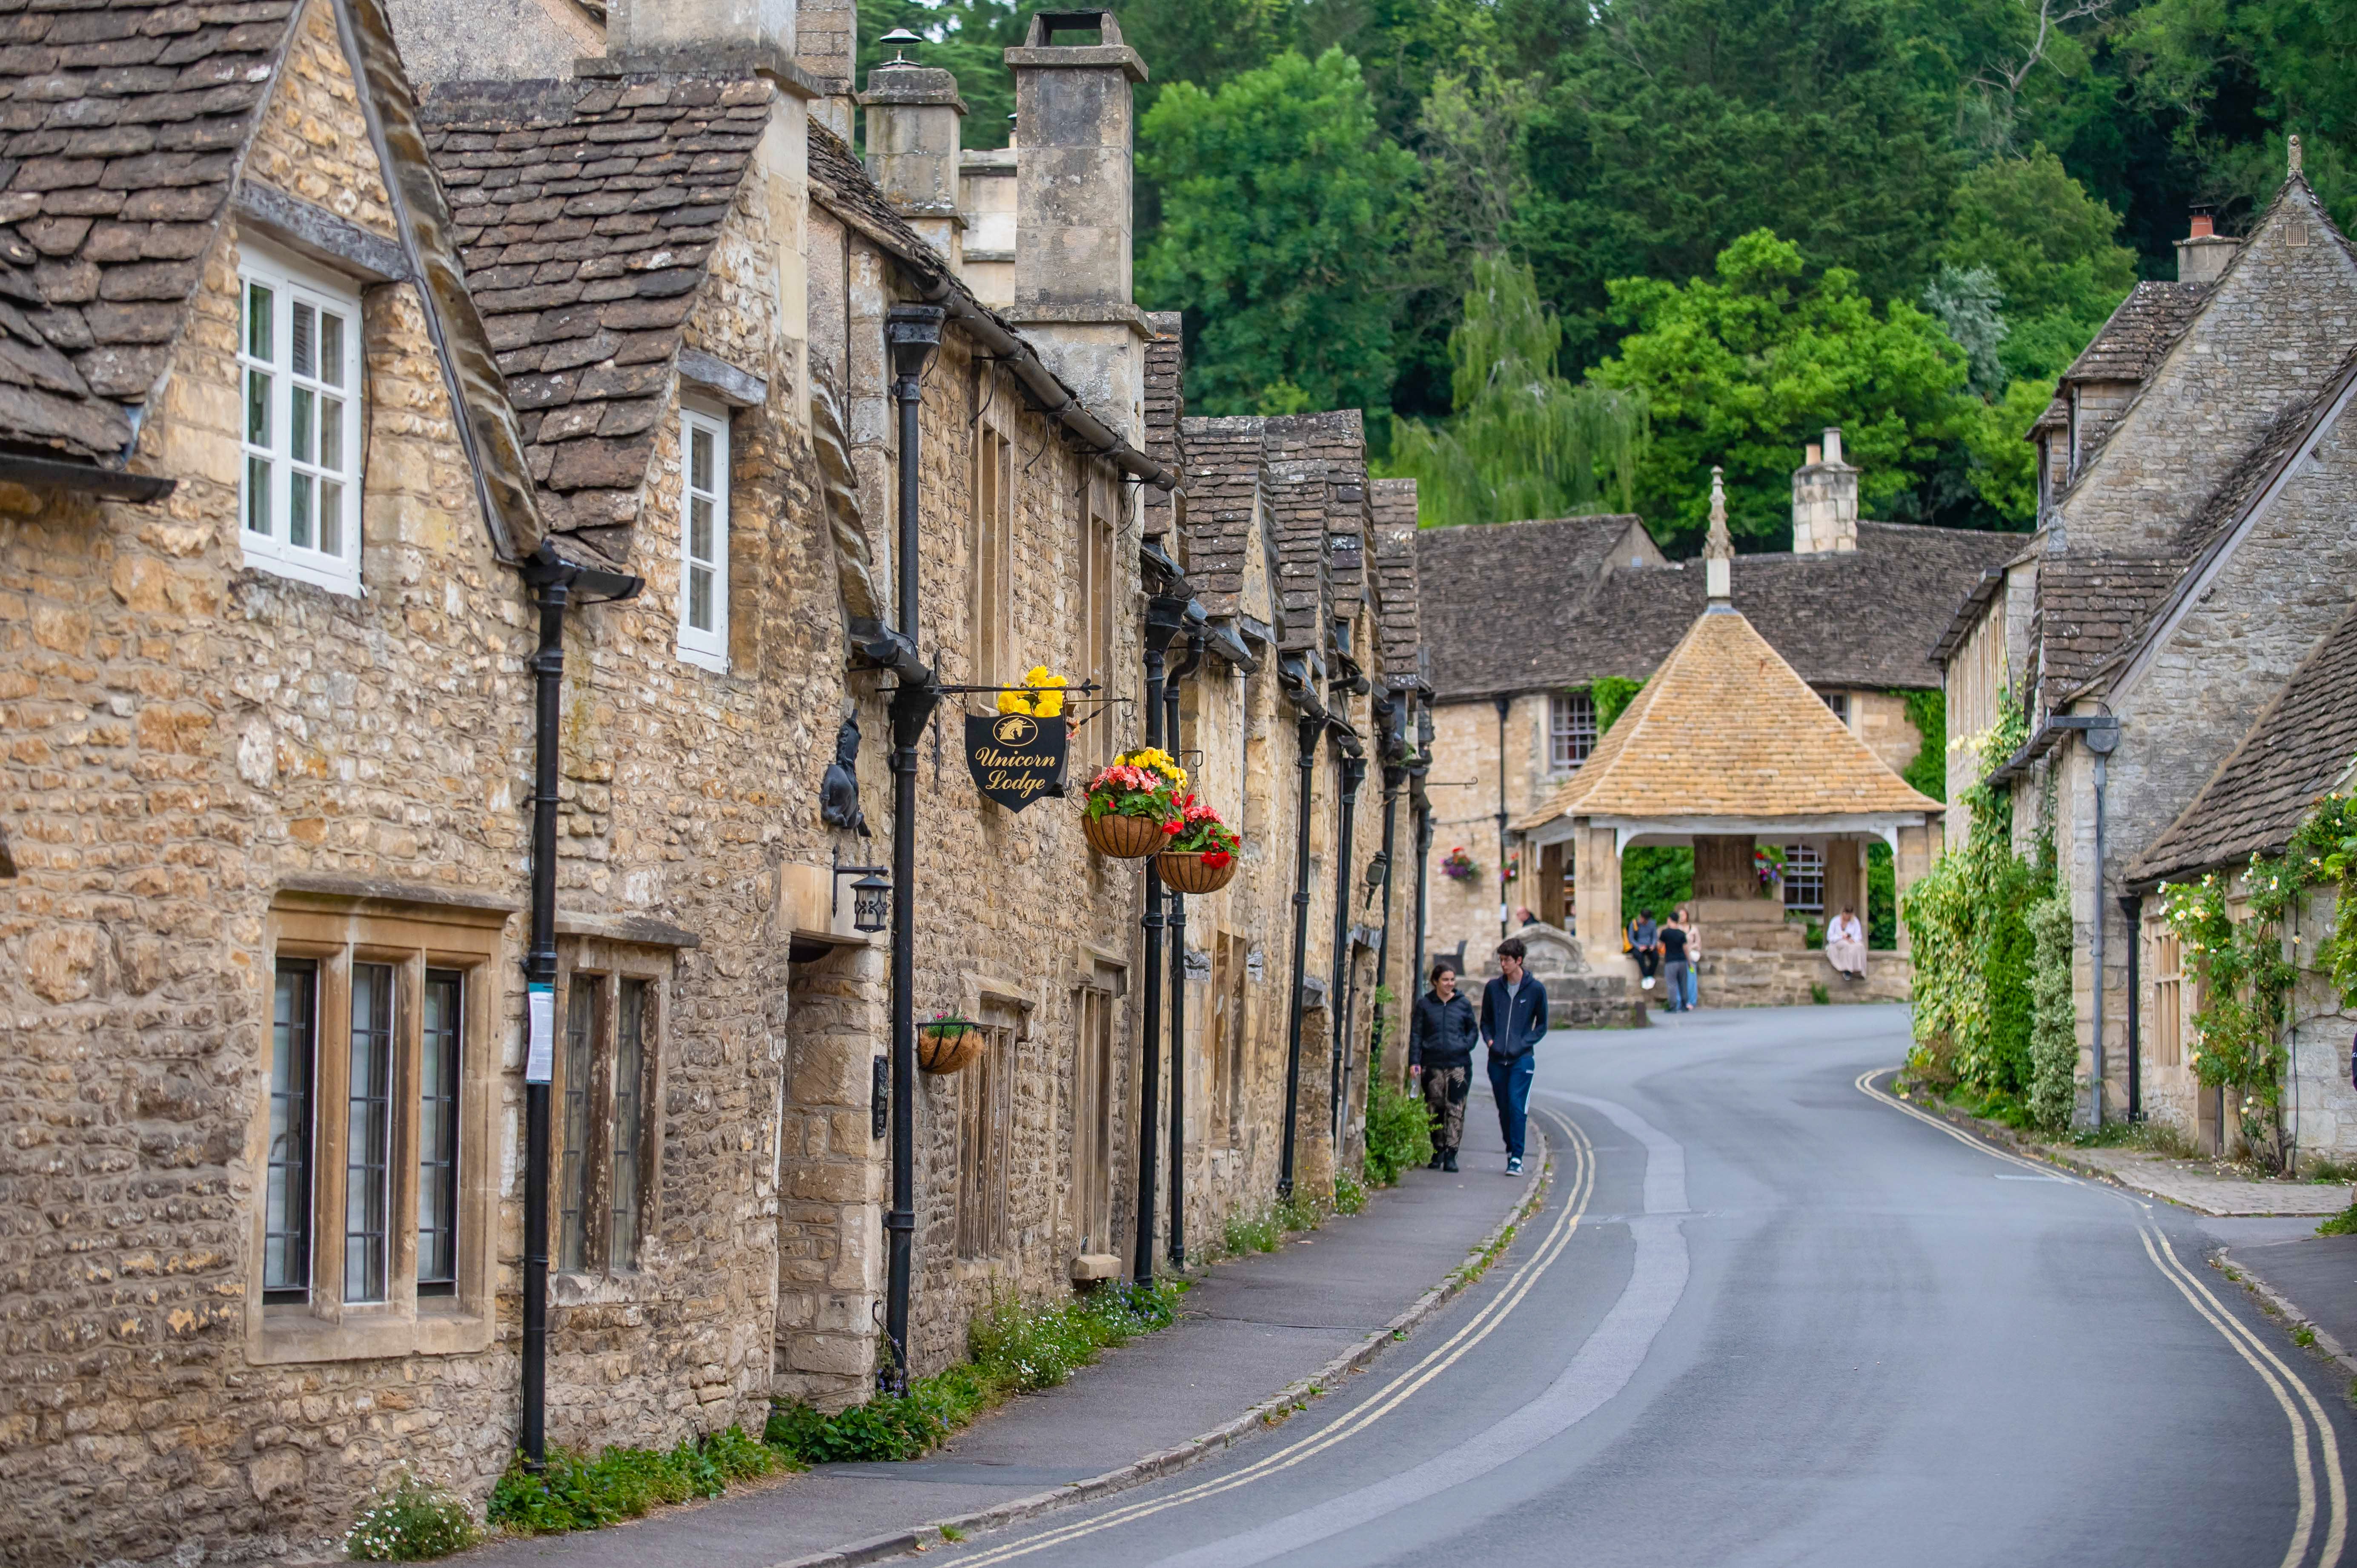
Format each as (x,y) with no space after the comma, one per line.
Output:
(86,479)
(935,286)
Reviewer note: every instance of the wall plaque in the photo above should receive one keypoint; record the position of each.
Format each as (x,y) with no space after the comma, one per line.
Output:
(1016,759)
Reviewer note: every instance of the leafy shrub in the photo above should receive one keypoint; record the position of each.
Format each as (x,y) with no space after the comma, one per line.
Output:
(2333,1173)
(1251,1233)
(1350,1193)
(573,1491)
(2054,1032)
(1399,1133)
(2341,1224)
(1819,994)
(410,1520)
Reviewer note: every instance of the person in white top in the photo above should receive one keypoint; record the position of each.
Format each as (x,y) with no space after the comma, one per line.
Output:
(1845,943)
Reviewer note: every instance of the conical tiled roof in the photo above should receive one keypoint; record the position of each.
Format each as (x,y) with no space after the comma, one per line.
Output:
(1725,728)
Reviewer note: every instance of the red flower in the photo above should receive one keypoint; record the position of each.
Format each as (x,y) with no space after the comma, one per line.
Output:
(1171,827)
(1215,858)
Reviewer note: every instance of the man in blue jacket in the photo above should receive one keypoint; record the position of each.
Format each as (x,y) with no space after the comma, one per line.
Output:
(1513,1017)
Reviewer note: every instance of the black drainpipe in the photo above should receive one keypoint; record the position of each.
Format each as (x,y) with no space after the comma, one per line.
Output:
(2132,910)
(1166,616)
(1184,671)
(1395,780)
(913,334)
(1307,727)
(1421,804)
(555,584)
(1354,773)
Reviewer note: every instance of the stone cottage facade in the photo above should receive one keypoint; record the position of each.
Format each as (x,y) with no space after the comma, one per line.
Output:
(1854,607)
(2194,554)
(320,376)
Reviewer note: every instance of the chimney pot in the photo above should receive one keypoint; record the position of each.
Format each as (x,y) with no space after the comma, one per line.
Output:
(1824,499)
(2203,225)
(1816,455)
(1833,444)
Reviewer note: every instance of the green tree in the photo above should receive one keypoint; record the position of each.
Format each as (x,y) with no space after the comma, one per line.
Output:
(1524,442)
(1741,368)
(2052,250)
(1281,219)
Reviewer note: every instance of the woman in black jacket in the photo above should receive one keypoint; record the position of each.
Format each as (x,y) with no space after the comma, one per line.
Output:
(1440,1039)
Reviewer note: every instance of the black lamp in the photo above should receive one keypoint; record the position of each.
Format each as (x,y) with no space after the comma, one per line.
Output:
(871,902)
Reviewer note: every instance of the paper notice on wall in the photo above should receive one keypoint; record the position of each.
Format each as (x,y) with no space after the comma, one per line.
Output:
(539,1047)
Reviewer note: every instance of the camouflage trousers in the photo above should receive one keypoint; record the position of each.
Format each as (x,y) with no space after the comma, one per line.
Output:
(1444,1098)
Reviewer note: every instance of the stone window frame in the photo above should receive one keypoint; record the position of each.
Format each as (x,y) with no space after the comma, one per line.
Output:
(1840,706)
(985,1164)
(1571,729)
(2169,991)
(610,963)
(1097,1107)
(991,547)
(705,647)
(295,281)
(414,932)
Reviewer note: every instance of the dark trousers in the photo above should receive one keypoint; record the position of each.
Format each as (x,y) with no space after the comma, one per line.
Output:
(1648,962)
(1510,1080)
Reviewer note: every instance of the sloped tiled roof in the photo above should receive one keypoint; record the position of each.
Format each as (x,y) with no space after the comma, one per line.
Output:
(2301,747)
(585,212)
(2139,333)
(1726,728)
(1870,617)
(1166,406)
(1224,469)
(1398,625)
(2088,607)
(124,122)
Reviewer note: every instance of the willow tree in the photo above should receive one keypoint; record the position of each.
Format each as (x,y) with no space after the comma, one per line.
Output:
(1523,442)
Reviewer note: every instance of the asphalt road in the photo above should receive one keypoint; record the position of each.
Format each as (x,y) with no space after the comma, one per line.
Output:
(1769,1316)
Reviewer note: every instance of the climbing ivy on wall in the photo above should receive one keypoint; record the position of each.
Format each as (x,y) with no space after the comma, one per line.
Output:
(1928,712)
(2054,1019)
(1612,695)
(2246,973)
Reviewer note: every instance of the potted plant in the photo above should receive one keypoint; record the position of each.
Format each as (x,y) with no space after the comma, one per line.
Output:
(1457,866)
(1132,808)
(1202,855)
(947,1043)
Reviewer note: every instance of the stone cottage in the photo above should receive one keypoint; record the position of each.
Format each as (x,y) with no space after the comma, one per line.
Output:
(1854,607)
(2194,553)
(345,408)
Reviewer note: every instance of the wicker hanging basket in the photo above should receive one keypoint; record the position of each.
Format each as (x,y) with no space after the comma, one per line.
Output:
(1183,871)
(1124,838)
(948,1047)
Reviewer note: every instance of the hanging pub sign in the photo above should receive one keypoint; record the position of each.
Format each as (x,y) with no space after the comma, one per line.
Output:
(1016,759)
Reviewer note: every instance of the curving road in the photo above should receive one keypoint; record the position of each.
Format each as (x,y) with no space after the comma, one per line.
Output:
(1770,1314)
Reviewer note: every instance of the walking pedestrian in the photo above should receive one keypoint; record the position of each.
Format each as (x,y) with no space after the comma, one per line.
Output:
(1645,941)
(1687,1000)
(1513,1017)
(1440,1035)
(1673,960)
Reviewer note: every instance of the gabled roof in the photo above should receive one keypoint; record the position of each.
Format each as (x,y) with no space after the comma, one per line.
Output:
(1726,728)
(2088,608)
(1225,467)
(585,212)
(126,119)
(2300,748)
(2138,332)
(1530,606)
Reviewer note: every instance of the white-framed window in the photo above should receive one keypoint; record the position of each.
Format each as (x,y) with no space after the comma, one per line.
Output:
(298,357)
(1805,878)
(1571,729)
(703,538)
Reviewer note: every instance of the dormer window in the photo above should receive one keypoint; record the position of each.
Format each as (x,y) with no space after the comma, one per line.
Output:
(299,367)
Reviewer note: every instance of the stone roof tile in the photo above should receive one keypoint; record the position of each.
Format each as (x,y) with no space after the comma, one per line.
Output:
(2139,333)
(579,278)
(2088,606)
(129,113)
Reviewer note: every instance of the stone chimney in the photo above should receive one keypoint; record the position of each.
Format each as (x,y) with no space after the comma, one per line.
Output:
(912,147)
(1074,124)
(1824,499)
(2203,254)
(827,44)
(701,35)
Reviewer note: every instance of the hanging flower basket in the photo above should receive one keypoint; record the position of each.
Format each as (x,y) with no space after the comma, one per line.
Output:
(1202,857)
(1191,872)
(1459,866)
(1131,810)
(947,1043)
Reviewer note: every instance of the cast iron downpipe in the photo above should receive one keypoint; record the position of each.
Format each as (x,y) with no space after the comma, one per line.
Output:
(2132,911)
(2102,734)
(1421,803)
(1307,727)
(556,582)
(1354,773)
(1395,780)
(1166,616)
(1184,671)
(913,335)
(1504,703)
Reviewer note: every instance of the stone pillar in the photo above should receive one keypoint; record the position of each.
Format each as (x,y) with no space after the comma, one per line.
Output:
(826,44)
(1912,859)
(913,113)
(1074,122)
(1845,876)
(1597,895)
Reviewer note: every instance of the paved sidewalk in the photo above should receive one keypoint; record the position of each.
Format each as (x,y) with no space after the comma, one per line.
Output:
(2198,1185)
(1250,1327)
(2311,1280)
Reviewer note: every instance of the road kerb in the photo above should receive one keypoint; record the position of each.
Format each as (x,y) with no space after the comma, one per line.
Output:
(1269,1411)
(2293,1319)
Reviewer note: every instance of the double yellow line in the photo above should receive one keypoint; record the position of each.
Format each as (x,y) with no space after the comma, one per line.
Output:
(2246,1344)
(1579,1190)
